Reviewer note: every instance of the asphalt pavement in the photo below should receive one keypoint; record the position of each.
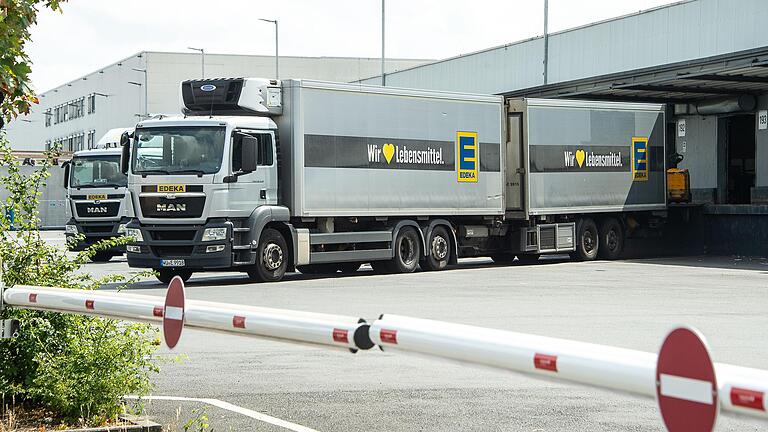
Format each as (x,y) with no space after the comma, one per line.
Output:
(251,384)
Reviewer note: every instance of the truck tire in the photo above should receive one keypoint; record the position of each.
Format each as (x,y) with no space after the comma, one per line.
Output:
(165,275)
(611,239)
(102,256)
(272,257)
(407,249)
(439,248)
(587,243)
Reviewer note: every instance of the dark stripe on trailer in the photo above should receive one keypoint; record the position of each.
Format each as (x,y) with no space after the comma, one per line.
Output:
(331,151)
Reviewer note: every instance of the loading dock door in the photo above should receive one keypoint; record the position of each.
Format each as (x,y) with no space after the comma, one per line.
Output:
(740,158)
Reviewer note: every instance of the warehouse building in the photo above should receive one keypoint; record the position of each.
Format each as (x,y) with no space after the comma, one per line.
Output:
(706,59)
(75,115)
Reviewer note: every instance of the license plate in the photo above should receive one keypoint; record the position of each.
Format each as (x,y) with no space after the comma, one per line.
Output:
(95,197)
(171,188)
(172,263)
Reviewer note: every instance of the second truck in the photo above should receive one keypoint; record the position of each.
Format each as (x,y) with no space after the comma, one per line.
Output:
(265,176)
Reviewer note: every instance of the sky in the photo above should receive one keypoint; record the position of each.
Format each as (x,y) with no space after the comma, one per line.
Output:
(90,34)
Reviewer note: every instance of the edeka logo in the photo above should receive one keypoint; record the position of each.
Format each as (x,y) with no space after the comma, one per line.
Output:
(402,155)
(468,160)
(592,159)
(640,159)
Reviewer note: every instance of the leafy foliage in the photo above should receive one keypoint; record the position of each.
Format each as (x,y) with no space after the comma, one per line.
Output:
(76,366)
(16,17)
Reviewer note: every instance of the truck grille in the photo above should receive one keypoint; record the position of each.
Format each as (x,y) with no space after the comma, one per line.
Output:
(97,229)
(175,235)
(172,251)
(93,210)
(180,207)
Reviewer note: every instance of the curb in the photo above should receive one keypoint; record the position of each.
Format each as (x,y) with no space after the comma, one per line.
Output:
(140,424)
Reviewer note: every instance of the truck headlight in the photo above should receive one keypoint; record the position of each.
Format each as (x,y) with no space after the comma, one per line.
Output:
(135,233)
(133,249)
(121,229)
(70,229)
(211,234)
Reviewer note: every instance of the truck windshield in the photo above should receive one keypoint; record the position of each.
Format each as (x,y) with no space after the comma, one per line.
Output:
(97,171)
(179,150)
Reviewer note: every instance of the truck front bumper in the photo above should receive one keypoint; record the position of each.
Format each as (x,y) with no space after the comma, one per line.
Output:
(94,232)
(180,246)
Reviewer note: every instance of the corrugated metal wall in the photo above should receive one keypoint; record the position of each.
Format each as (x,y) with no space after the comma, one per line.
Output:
(680,32)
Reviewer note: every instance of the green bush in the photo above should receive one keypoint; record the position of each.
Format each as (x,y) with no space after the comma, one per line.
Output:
(76,366)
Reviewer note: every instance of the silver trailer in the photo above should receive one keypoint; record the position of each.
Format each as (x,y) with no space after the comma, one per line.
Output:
(266,176)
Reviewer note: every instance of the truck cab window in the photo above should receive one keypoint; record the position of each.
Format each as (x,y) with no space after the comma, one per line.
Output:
(265,150)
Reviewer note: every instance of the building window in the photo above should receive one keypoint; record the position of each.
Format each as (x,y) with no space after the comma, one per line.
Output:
(91,139)
(48,145)
(48,115)
(91,103)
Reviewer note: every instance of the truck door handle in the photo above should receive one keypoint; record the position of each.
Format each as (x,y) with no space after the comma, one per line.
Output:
(263,194)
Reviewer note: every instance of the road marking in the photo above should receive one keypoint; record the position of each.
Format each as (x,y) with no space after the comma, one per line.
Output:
(229,407)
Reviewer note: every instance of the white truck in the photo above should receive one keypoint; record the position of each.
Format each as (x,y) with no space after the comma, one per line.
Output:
(266,176)
(96,190)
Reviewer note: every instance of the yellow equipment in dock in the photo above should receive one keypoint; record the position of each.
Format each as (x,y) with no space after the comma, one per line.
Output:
(678,185)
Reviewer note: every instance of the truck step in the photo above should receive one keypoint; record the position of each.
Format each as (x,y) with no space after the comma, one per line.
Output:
(246,229)
(241,247)
(241,263)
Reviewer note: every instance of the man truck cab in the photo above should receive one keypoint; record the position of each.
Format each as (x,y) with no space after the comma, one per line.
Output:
(96,194)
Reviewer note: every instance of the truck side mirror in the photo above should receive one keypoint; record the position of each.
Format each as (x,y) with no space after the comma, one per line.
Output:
(125,142)
(66,173)
(250,154)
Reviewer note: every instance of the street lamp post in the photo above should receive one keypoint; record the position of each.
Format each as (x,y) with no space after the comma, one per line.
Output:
(546,39)
(146,103)
(277,55)
(137,84)
(202,54)
(383,75)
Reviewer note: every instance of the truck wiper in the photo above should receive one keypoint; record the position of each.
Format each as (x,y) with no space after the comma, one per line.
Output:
(99,185)
(188,171)
(152,171)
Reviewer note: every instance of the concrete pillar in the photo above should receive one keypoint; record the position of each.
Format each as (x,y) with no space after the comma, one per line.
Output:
(760,191)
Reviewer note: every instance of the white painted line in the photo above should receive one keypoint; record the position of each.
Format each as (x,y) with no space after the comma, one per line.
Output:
(686,388)
(174,313)
(229,407)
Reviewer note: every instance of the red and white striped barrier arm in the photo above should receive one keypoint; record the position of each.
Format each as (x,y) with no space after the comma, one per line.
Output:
(740,390)
(332,331)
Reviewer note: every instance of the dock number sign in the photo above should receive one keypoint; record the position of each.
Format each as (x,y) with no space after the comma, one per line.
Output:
(468,160)
(640,155)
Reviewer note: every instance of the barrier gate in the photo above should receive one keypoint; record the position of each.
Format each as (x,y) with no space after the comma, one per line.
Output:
(689,388)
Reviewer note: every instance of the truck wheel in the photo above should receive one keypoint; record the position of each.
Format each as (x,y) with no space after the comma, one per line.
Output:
(587,243)
(407,248)
(102,256)
(439,248)
(611,239)
(272,257)
(165,275)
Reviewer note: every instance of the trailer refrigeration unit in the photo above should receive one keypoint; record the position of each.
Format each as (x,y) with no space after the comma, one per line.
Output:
(265,176)
(96,195)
